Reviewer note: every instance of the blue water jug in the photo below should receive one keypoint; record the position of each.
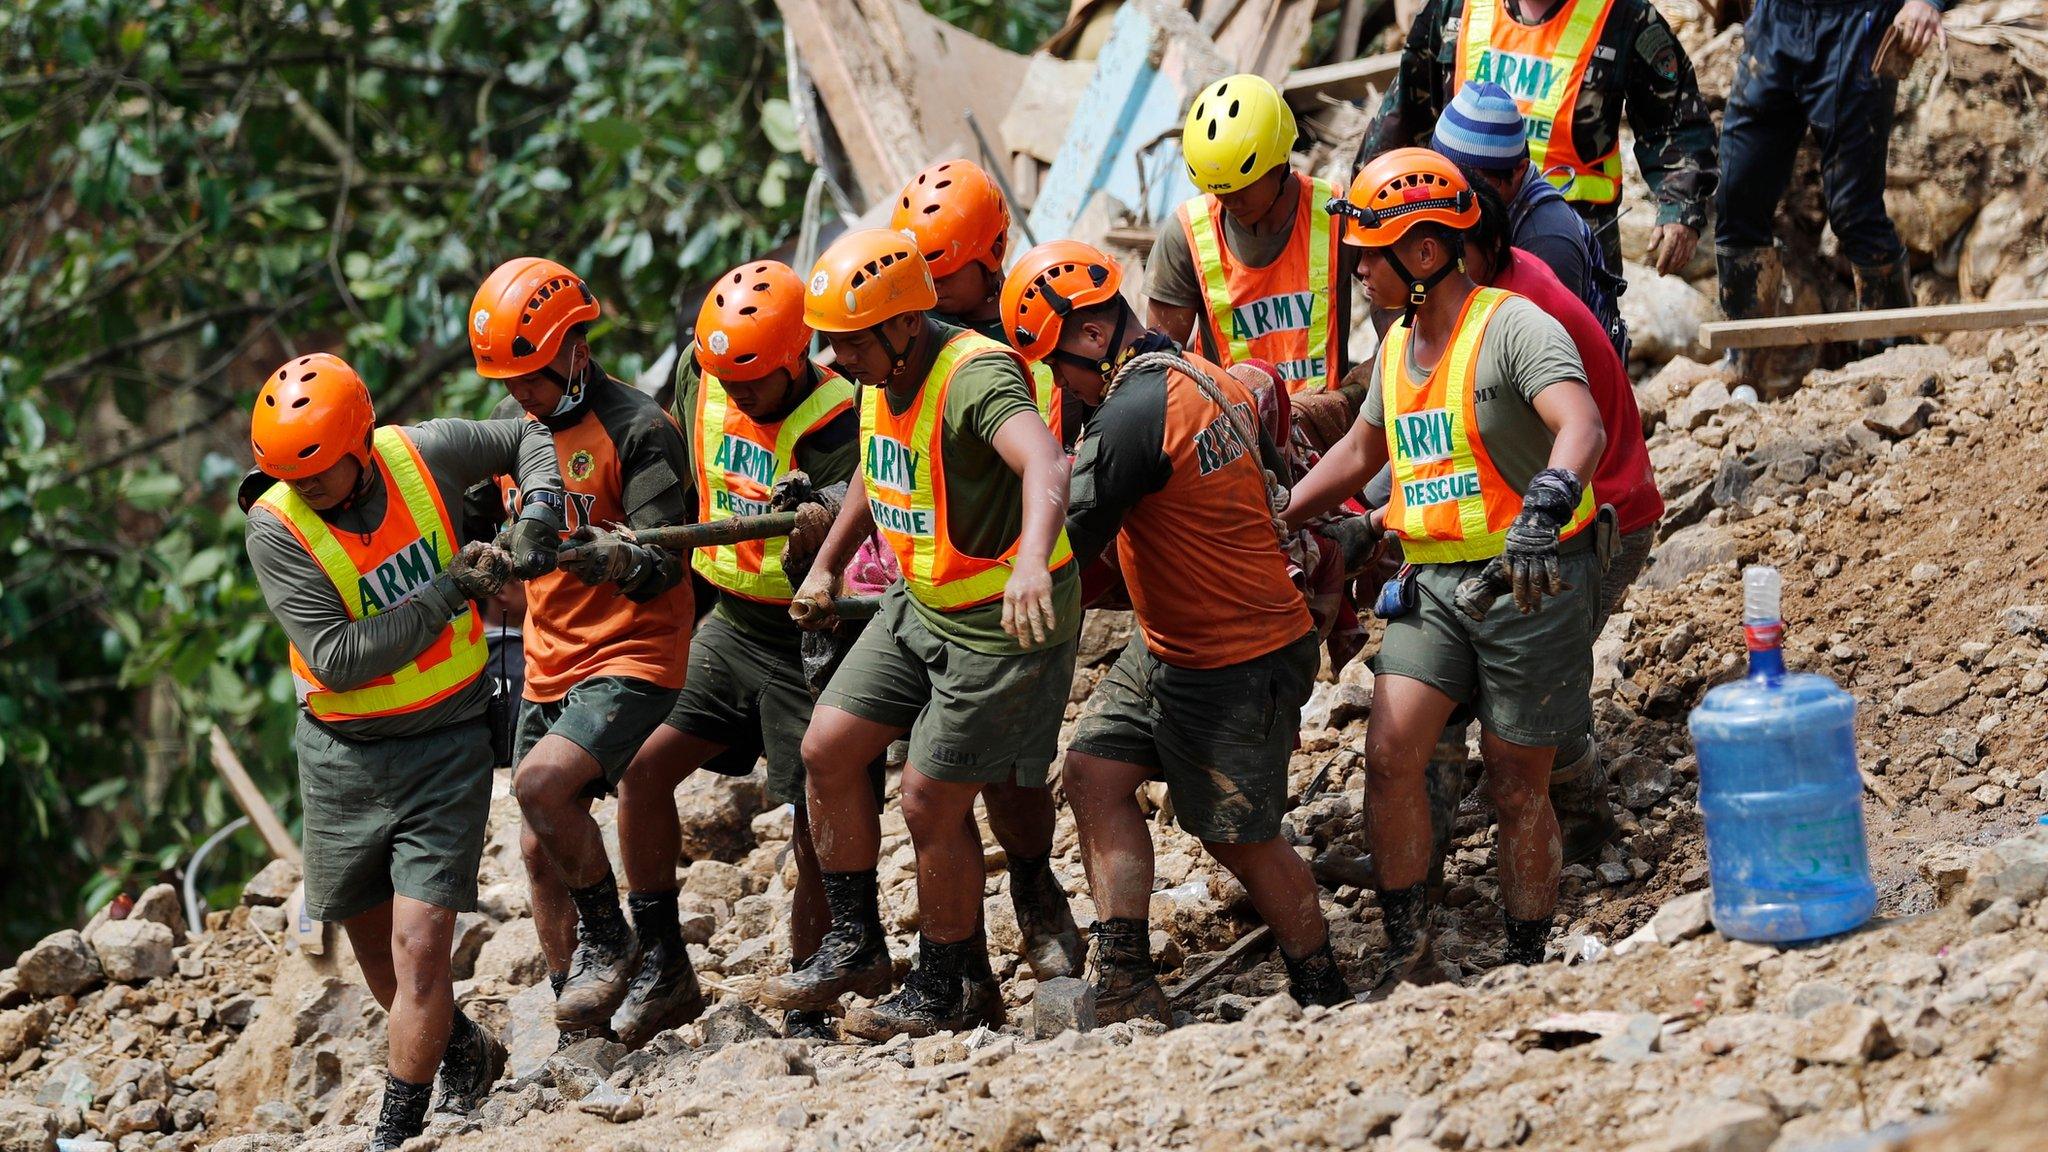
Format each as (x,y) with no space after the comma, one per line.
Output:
(1780,792)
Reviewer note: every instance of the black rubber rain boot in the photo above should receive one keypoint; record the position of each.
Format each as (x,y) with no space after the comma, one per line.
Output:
(607,954)
(473,1062)
(402,1115)
(1126,983)
(1052,944)
(664,993)
(950,990)
(1314,979)
(853,957)
(1527,940)
(1444,778)
(1578,793)
(1404,914)
(1886,285)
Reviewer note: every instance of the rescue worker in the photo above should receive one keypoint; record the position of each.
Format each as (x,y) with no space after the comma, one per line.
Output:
(606,639)
(754,408)
(1244,269)
(1174,469)
(1808,63)
(972,651)
(1581,64)
(352,538)
(959,220)
(1479,402)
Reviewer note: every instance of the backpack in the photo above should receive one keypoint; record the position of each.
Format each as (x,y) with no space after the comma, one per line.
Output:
(1604,285)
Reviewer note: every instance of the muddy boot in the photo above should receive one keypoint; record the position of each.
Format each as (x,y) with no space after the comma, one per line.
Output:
(1578,793)
(1404,914)
(1126,985)
(564,1037)
(473,1062)
(1882,286)
(950,990)
(402,1115)
(1444,778)
(1052,944)
(607,953)
(1527,940)
(1314,979)
(853,957)
(1750,280)
(664,993)
(806,1024)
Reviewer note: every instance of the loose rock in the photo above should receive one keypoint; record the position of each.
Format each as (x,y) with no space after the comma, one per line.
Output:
(60,964)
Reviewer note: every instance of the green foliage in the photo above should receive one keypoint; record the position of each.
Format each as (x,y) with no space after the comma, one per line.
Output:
(1019,25)
(190,193)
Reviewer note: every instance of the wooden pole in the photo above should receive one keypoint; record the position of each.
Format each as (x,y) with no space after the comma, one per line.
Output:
(1346,81)
(251,799)
(1877,324)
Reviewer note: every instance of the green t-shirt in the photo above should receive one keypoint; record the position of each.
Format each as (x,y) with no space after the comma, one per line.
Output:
(829,455)
(986,498)
(1523,352)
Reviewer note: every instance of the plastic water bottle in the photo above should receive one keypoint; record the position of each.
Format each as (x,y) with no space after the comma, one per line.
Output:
(1780,791)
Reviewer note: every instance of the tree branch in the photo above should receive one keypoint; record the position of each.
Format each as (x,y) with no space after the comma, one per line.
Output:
(157,335)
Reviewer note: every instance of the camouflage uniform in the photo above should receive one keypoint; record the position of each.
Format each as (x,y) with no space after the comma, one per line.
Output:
(1638,66)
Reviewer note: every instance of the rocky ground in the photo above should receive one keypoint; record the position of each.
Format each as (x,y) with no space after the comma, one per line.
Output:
(1901,497)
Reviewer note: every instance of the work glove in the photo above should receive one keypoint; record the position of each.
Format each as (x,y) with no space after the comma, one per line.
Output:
(479,570)
(1531,553)
(603,557)
(1357,541)
(536,537)
(815,510)
(811,608)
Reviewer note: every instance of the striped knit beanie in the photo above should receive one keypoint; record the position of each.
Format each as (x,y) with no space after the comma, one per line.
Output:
(1482,129)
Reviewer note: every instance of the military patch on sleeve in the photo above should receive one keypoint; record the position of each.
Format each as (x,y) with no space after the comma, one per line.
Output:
(1657,46)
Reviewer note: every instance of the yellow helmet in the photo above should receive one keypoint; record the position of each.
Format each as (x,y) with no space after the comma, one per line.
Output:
(1238,130)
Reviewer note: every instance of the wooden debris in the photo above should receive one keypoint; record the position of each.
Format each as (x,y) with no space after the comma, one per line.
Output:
(253,803)
(1877,324)
(1347,81)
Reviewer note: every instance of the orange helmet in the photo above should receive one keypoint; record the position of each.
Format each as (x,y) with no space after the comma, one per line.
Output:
(311,412)
(1401,189)
(752,322)
(1049,282)
(955,214)
(867,277)
(520,315)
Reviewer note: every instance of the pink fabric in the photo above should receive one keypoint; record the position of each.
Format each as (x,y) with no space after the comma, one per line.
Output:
(1623,478)
(873,568)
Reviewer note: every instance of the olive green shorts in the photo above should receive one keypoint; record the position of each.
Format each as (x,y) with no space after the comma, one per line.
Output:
(403,816)
(1528,677)
(748,694)
(974,718)
(606,716)
(1219,737)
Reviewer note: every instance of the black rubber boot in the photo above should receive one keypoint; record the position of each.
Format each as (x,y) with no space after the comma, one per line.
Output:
(1404,914)
(1126,983)
(950,990)
(1314,979)
(607,954)
(1444,779)
(664,992)
(1750,280)
(1052,944)
(804,1024)
(473,1062)
(1886,285)
(1527,940)
(853,957)
(402,1115)
(1578,793)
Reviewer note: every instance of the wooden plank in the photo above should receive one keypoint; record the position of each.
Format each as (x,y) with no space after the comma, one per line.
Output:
(1266,37)
(869,104)
(1877,324)
(253,803)
(1346,81)
(1256,938)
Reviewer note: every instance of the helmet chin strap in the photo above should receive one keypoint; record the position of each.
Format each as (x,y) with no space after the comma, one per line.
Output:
(1419,286)
(572,389)
(1114,353)
(899,358)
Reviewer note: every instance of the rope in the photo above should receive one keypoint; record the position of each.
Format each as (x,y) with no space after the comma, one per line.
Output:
(1241,427)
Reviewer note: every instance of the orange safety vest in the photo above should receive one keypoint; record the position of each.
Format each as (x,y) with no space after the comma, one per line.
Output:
(904,472)
(738,462)
(1281,312)
(1544,67)
(1449,503)
(412,546)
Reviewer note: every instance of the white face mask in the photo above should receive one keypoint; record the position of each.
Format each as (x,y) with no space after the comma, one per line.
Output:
(572,392)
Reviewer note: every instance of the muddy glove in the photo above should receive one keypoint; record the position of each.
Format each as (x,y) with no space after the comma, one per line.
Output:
(812,606)
(1356,539)
(479,570)
(815,510)
(1531,553)
(604,557)
(537,535)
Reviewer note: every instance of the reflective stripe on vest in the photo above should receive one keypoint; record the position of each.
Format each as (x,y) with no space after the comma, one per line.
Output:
(903,471)
(1449,503)
(1544,67)
(1280,312)
(738,462)
(412,546)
